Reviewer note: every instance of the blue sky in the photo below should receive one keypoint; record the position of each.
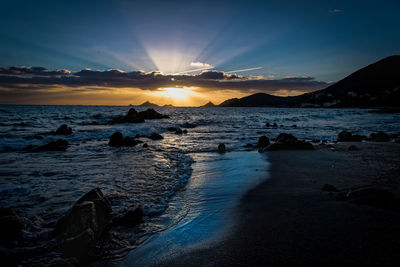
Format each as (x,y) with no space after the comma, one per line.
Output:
(323,39)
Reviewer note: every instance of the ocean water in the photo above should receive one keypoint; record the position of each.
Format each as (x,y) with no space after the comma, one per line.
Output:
(43,186)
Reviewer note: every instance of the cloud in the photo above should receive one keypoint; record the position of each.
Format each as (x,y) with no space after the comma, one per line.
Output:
(200,65)
(36,78)
(335,10)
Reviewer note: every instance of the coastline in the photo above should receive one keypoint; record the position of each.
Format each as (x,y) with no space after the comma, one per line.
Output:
(289,221)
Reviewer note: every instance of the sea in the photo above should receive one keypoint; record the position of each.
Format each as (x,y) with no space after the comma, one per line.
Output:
(188,191)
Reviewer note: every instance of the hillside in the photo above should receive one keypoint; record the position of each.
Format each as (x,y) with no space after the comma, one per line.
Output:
(377,85)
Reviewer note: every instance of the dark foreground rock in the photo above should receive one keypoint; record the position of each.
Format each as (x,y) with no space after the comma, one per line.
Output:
(373,197)
(59,145)
(263,141)
(221,148)
(345,136)
(10,225)
(155,136)
(79,230)
(379,137)
(136,117)
(63,130)
(117,139)
(132,216)
(286,141)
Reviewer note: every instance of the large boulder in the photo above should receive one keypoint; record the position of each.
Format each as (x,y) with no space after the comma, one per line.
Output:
(345,136)
(80,228)
(10,225)
(117,139)
(64,130)
(379,137)
(151,114)
(263,141)
(373,197)
(59,145)
(286,141)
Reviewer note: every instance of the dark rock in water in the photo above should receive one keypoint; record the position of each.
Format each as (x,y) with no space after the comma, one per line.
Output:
(145,145)
(136,117)
(64,130)
(294,126)
(84,223)
(373,197)
(330,188)
(188,125)
(345,136)
(268,124)
(263,141)
(274,125)
(133,215)
(286,141)
(10,225)
(379,137)
(151,114)
(352,148)
(185,131)
(179,131)
(281,125)
(172,129)
(79,245)
(117,139)
(156,136)
(59,145)
(221,148)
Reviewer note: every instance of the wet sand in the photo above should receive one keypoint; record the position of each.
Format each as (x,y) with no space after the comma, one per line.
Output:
(289,221)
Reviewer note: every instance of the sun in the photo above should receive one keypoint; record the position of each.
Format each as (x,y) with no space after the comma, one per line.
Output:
(175,93)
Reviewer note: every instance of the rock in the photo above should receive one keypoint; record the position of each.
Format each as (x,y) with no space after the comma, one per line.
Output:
(294,126)
(185,131)
(117,139)
(145,145)
(379,137)
(221,148)
(80,245)
(155,136)
(179,131)
(64,130)
(132,117)
(268,124)
(10,225)
(274,125)
(345,136)
(352,148)
(188,125)
(151,114)
(59,145)
(172,129)
(373,197)
(88,218)
(329,188)
(133,215)
(286,141)
(263,141)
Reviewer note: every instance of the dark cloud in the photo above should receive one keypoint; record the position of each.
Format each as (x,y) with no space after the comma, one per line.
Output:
(40,78)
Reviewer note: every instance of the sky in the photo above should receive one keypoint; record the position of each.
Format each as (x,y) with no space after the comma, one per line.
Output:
(185,52)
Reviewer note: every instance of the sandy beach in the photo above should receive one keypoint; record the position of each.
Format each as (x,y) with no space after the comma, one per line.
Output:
(289,221)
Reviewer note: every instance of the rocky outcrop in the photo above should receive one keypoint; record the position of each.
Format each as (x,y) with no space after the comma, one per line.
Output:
(379,137)
(79,230)
(63,130)
(117,139)
(221,148)
(10,225)
(286,141)
(345,136)
(136,117)
(59,145)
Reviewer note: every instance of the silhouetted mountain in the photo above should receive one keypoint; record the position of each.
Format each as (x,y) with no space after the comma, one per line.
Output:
(148,104)
(377,85)
(209,104)
(168,105)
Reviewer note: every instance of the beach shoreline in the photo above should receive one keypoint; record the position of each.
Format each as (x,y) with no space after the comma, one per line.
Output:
(289,221)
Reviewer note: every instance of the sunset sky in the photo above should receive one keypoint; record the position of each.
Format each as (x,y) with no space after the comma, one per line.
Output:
(185,52)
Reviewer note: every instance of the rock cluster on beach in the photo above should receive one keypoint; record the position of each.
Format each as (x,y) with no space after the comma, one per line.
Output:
(117,139)
(136,117)
(286,141)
